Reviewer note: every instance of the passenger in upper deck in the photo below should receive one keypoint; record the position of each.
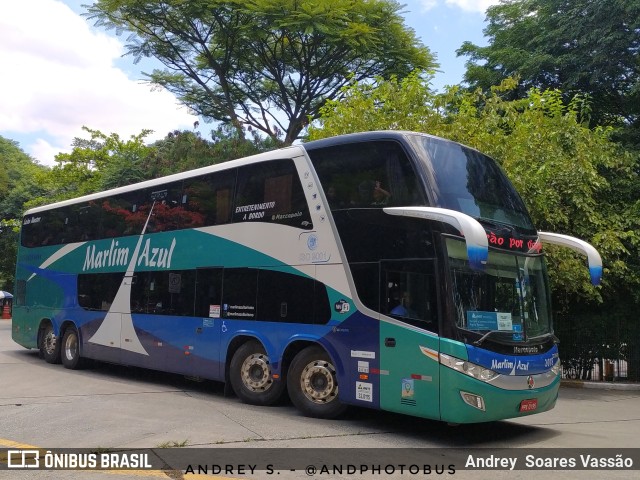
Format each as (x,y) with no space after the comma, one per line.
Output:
(371,193)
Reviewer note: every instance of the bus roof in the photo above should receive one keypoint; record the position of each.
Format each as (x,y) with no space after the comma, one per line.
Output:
(294,150)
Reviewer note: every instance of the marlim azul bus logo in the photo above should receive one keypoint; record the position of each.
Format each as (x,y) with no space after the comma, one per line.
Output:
(114,256)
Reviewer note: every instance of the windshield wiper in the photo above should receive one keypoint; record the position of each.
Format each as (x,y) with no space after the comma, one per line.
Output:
(481,340)
(544,336)
(488,335)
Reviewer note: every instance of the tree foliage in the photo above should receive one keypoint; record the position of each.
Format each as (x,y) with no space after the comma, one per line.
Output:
(94,164)
(561,167)
(102,162)
(18,183)
(183,150)
(249,63)
(18,179)
(578,46)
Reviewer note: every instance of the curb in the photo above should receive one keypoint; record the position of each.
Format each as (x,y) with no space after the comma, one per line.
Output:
(600,385)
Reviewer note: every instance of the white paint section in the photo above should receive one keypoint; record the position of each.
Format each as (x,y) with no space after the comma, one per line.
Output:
(580,246)
(116,330)
(287,246)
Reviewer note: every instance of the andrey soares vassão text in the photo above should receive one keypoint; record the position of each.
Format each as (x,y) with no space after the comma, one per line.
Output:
(582,461)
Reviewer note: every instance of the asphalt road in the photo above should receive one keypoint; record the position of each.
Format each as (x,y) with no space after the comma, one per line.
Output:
(110,407)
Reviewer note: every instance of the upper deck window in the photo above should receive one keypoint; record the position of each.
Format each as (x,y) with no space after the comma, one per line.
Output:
(266,192)
(366,175)
(470,182)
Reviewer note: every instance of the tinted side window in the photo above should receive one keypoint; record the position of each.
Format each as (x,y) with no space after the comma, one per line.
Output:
(286,297)
(119,215)
(127,214)
(249,294)
(164,293)
(208,301)
(82,223)
(366,175)
(168,211)
(366,276)
(271,192)
(74,223)
(96,291)
(34,229)
(405,290)
(369,235)
(239,300)
(208,199)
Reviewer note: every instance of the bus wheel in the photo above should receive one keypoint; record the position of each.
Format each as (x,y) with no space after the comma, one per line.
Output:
(70,349)
(313,385)
(251,376)
(49,344)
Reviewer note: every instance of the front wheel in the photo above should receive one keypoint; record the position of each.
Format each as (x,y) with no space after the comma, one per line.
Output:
(313,384)
(251,376)
(49,344)
(70,350)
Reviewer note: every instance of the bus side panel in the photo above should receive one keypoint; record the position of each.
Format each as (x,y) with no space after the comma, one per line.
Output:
(355,341)
(182,345)
(409,371)
(44,295)
(24,325)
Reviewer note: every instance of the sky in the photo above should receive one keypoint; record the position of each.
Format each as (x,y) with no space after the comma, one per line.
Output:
(58,72)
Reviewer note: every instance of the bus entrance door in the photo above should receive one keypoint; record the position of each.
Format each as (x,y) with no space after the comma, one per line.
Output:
(205,361)
(409,380)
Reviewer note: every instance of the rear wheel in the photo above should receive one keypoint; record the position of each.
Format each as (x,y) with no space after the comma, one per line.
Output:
(313,385)
(49,344)
(251,375)
(70,349)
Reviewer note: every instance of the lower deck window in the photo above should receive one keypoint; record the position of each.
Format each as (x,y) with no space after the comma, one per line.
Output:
(233,293)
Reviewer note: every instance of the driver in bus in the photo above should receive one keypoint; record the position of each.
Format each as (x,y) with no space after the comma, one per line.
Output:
(403,309)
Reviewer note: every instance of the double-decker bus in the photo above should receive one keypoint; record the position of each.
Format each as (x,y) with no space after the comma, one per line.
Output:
(390,270)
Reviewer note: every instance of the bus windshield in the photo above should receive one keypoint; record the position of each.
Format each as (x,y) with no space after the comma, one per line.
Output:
(470,182)
(509,298)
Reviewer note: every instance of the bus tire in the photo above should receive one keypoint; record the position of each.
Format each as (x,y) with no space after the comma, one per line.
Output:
(313,385)
(251,375)
(49,344)
(70,349)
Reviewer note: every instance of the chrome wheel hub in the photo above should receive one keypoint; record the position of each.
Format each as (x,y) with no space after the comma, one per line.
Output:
(256,372)
(71,347)
(318,382)
(49,342)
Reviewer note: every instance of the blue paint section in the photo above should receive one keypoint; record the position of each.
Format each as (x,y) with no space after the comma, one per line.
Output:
(596,274)
(477,254)
(59,292)
(173,346)
(354,342)
(513,364)
(67,282)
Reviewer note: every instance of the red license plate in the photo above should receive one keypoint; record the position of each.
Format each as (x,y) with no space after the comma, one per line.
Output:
(529,405)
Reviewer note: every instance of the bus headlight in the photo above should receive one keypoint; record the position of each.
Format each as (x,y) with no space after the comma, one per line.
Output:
(556,368)
(468,368)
